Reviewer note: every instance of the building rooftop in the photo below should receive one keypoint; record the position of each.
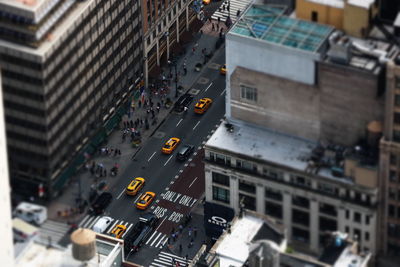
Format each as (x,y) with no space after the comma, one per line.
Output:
(267,145)
(268,23)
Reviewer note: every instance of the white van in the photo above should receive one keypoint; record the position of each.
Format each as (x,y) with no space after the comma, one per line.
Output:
(23,231)
(31,213)
(102,224)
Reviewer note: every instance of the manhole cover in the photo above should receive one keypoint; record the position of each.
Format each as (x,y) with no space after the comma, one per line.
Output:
(159,135)
(203,80)
(192,164)
(194,91)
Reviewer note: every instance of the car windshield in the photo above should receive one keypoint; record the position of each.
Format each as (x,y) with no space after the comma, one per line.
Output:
(142,201)
(167,146)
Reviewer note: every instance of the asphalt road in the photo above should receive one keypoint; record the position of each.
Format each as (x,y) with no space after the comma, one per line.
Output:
(178,185)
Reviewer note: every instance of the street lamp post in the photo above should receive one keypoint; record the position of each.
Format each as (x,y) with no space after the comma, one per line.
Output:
(174,63)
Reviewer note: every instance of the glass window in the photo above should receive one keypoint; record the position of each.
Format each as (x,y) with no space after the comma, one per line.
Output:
(397,81)
(300,235)
(301,201)
(220,194)
(396,136)
(393,176)
(347,214)
(273,194)
(397,118)
(397,100)
(219,178)
(391,211)
(271,173)
(212,156)
(248,93)
(247,186)
(300,217)
(357,217)
(393,159)
(274,210)
(249,202)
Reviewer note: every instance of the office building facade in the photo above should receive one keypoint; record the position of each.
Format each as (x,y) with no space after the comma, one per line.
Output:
(67,67)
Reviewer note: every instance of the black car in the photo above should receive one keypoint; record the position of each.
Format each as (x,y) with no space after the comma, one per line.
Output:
(140,232)
(183,101)
(185,152)
(101,203)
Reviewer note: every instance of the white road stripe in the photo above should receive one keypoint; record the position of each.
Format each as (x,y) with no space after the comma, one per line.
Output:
(208,87)
(168,160)
(148,240)
(161,223)
(127,230)
(112,226)
(196,125)
(193,182)
(137,198)
(120,194)
(161,240)
(93,222)
(160,265)
(151,156)
(84,220)
(179,122)
(155,239)
(171,255)
(223,92)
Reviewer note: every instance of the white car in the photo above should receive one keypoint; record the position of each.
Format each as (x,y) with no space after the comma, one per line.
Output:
(102,224)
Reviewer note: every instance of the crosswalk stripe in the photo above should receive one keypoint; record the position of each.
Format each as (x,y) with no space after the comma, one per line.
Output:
(161,240)
(87,217)
(92,222)
(127,230)
(169,259)
(148,240)
(172,255)
(155,239)
(112,226)
(159,265)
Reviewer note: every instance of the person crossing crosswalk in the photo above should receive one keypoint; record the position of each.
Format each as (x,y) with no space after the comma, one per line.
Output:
(236,7)
(157,239)
(165,259)
(52,232)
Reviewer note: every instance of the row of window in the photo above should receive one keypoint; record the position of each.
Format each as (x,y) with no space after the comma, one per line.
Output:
(393,211)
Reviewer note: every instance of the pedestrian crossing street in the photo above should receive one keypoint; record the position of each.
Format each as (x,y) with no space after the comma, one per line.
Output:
(51,232)
(165,259)
(157,239)
(235,5)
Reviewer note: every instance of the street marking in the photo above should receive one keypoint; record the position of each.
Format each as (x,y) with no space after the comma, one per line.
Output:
(148,240)
(127,230)
(112,227)
(193,182)
(179,122)
(186,164)
(172,182)
(168,160)
(161,240)
(208,87)
(167,188)
(137,198)
(155,239)
(190,159)
(196,125)
(83,221)
(180,171)
(151,156)
(176,176)
(223,92)
(161,223)
(94,222)
(120,194)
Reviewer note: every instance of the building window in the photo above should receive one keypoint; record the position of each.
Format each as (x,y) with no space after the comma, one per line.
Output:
(248,93)
(327,209)
(220,194)
(367,218)
(397,118)
(326,224)
(221,159)
(396,136)
(301,201)
(299,180)
(300,217)
(273,194)
(357,234)
(327,188)
(347,229)
(212,156)
(397,81)
(347,214)
(393,159)
(393,176)
(247,187)
(300,235)
(314,16)
(248,202)
(246,165)
(357,217)
(391,211)
(397,100)
(219,178)
(273,210)
(271,173)
(366,236)
(392,193)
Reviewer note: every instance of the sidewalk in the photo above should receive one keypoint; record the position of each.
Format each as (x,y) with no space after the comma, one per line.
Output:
(66,202)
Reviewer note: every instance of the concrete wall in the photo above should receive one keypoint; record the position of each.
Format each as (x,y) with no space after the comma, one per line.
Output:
(348,102)
(283,105)
(326,14)
(356,20)
(332,111)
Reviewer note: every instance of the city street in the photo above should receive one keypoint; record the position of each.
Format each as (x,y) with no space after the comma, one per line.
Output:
(179,185)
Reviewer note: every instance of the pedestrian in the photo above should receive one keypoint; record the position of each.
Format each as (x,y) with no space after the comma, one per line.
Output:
(105,172)
(201,32)
(195,231)
(217,27)
(180,228)
(184,70)
(180,248)
(238,13)
(131,123)
(190,243)
(212,27)
(173,237)
(190,233)
(223,7)
(158,109)
(119,152)
(219,20)
(140,103)
(228,7)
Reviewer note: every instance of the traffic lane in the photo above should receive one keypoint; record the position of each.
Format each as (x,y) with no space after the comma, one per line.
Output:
(176,202)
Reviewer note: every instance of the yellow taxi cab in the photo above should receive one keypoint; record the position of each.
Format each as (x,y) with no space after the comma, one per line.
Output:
(145,200)
(222,69)
(170,145)
(135,186)
(206,2)
(118,231)
(202,105)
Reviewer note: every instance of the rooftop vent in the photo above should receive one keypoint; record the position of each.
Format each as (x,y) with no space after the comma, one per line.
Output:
(83,244)
(340,48)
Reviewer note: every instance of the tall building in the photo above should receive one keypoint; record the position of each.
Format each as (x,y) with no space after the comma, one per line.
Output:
(390,165)
(68,67)
(305,106)
(6,247)
(165,22)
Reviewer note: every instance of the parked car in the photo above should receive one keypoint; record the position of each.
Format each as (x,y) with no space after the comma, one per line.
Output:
(185,152)
(202,105)
(140,232)
(135,186)
(145,200)
(102,224)
(31,213)
(101,203)
(170,145)
(183,101)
